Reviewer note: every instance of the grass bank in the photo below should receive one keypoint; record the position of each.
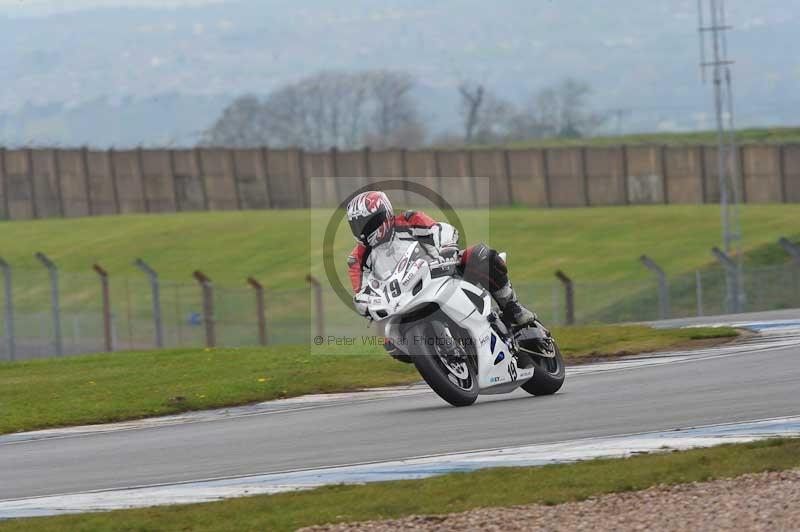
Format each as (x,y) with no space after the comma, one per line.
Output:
(767,285)
(275,246)
(129,385)
(597,247)
(439,495)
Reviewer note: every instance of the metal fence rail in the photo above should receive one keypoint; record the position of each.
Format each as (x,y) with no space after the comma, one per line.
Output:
(47,313)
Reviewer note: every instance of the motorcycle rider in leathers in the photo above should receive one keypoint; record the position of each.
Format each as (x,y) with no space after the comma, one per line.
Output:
(373,224)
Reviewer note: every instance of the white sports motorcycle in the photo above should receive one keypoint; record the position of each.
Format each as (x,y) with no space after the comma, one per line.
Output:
(447,327)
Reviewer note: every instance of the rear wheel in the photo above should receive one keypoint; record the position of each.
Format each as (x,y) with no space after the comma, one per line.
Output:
(444,364)
(548,376)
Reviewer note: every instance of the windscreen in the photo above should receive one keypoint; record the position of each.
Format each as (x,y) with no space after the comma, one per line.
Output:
(387,255)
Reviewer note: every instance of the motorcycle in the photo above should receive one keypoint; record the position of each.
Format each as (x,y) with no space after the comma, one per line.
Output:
(447,327)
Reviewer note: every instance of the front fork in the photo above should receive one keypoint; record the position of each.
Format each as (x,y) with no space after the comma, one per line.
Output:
(502,330)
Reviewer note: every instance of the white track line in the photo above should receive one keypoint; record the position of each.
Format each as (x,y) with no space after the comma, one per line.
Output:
(412,468)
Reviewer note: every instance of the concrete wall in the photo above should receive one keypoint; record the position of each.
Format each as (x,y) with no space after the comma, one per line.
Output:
(684,171)
(645,173)
(566,172)
(44,183)
(763,177)
(790,156)
(606,176)
(250,169)
(528,177)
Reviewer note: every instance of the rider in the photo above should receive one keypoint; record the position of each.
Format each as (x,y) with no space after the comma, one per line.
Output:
(373,222)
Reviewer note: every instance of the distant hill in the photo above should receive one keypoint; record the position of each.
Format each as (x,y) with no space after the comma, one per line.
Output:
(127,76)
(161,120)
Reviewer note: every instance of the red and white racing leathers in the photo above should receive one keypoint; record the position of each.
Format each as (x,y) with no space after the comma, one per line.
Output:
(479,263)
(410,226)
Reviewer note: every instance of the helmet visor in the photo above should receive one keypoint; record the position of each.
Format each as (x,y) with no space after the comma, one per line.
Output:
(362,227)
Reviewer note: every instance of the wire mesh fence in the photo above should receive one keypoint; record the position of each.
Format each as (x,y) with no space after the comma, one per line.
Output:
(34,325)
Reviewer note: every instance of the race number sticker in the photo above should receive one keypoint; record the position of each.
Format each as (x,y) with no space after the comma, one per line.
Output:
(512,370)
(394,287)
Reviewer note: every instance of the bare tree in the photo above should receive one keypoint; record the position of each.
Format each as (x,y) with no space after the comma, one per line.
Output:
(289,122)
(560,110)
(329,109)
(471,102)
(340,100)
(319,112)
(241,124)
(546,108)
(563,110)
(395,117)
(348,110)
(574,117)
(412,134)
(487,117)
(495,120)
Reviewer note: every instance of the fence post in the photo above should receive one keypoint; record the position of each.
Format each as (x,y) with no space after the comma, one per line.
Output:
(4,185)
(334,155)
(9,311)
(87,184)
(555,299)
(698,285)
(731,279)
(317,287)
(546,176)
(53,270)
(569,296)
(262,320)
(663,288)
(106,307)
(584,170)
(156,296)
(208,307)
(31,182)
(793,250)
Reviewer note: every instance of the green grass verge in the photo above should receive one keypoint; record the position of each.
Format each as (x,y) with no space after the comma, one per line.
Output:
(130,385)
(590,341)
(438,495)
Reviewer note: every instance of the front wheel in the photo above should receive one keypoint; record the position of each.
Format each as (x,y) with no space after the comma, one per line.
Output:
(548,377)
(444,364)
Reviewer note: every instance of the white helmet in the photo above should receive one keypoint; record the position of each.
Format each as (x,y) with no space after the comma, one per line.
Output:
(371,218)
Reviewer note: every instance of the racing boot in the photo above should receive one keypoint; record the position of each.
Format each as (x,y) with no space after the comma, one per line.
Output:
(512,309)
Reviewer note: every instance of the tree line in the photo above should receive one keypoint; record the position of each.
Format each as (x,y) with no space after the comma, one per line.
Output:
(376,108)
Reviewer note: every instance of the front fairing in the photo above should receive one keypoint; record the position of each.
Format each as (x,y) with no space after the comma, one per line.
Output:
(414,284)
(396,279)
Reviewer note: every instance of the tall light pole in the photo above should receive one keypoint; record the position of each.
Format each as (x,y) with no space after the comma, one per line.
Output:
(727,153)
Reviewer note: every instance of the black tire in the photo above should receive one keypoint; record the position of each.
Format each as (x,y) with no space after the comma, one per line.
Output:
(548,376)
(431,368)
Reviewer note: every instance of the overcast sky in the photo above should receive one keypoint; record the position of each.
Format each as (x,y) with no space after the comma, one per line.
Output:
(46,7)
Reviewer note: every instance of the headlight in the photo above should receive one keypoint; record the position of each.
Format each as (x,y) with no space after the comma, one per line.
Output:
(417,288)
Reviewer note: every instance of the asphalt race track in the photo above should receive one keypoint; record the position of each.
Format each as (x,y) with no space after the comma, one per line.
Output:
(683,390)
